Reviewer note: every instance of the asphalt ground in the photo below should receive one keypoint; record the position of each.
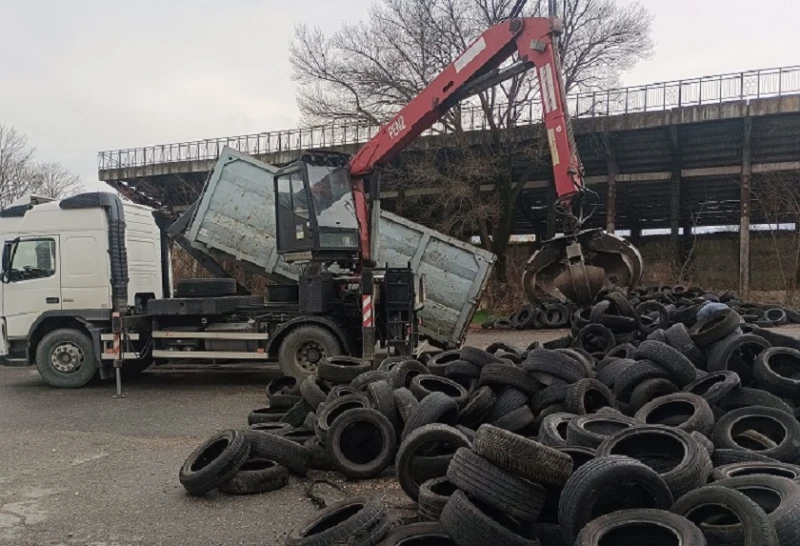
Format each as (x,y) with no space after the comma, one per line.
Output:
(80,467)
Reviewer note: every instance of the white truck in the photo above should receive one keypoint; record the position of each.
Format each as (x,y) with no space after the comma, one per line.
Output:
(86,286)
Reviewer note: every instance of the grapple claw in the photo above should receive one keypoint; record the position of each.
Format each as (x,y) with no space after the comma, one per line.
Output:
(577,267)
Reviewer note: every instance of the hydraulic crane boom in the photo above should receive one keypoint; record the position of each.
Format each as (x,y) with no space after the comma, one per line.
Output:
(476,70)
(575,266)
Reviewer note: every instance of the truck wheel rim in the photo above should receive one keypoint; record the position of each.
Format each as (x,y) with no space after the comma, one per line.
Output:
(66,358)
(308,356)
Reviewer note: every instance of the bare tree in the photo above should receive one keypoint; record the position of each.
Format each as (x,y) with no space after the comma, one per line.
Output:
(21,174)
(365,72)
(51,179)
(16,162)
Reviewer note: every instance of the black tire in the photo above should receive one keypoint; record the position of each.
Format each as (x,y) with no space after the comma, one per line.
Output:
(438,363)
(462,371)
(553,430)
(334,409)
(545,364)
(205,288)
(595,338)
(681,462)
(418,533)
(296,415)
(708,503)
(516,421)
(715,327)
(319,455)
(581,355)
(265,415)
(302,350)
(313,391)
(283,385)
(592,430)
(505,375)
(778,426)
(682,410)
(406,404)
(215,462)
(650,389)
(681,370)
(608,374)
(65,358)
(778,497)
(478,357)
(498,346)
(502,490)
(361,443)
(382,398)
(778,371)
(283,401)
(605,485)
(424,384)
(348,522)
(588,396)
(648,324)
(743,397)
(361,382)
(704,442)
(270,428)
(635,374)
(521,456)
(256,476)
(436,408)
(342,370)
(757,468)
(403,373)
(423,438)
(297,435)
(433,496)
(738,353)
(508,400)
(283,451)
(714,386)
(579,455)
(470,525)
(389,363)
(678,338)
(554,394)
(480,404)
(722,457)
(340,391)
(629,527)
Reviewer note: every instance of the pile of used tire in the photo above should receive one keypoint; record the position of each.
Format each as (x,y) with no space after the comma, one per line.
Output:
(680,301)
(635,429)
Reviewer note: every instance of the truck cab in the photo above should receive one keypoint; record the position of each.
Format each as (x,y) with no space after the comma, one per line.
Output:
(62,278)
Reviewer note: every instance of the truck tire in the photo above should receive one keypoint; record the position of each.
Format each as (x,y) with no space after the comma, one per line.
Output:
(304,348)
(205,288)
(65,359)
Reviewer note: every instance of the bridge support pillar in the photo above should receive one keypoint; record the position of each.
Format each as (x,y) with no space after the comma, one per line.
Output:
(744,223)
(611,196)
(675,200)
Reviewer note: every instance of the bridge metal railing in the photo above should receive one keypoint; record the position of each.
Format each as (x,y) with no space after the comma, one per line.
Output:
(639,98)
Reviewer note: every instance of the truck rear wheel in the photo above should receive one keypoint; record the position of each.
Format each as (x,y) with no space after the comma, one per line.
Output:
(65,359)
(304,348)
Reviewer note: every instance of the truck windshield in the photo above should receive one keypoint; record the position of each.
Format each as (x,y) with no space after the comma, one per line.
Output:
(333,207)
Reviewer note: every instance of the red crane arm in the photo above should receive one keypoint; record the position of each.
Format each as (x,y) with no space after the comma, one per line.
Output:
(471,73)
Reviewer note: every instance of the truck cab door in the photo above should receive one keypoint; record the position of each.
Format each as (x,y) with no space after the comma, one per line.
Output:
(31,282)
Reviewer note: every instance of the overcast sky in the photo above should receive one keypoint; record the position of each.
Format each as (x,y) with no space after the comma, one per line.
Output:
(88,75)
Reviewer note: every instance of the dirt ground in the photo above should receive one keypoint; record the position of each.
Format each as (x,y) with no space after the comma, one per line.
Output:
(80,467)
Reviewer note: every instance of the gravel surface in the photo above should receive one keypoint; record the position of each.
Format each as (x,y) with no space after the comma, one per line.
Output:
(82,467)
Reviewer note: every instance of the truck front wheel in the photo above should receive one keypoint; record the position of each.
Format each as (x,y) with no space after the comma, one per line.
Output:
(65,359)
(304,348)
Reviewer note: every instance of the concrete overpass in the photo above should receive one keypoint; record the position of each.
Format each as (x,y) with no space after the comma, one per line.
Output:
(670,155)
